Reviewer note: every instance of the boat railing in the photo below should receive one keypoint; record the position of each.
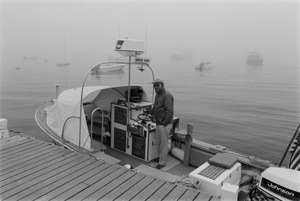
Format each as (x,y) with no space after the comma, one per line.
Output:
(63,130)
(102,123)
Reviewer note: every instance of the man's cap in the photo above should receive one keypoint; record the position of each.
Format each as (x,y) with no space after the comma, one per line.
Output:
(157,81)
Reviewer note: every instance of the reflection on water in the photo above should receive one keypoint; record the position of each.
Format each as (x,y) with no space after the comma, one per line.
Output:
(202,71)
(253,67)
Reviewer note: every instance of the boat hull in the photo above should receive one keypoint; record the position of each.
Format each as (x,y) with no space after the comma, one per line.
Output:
(199,151)
(110,68)
(62,64)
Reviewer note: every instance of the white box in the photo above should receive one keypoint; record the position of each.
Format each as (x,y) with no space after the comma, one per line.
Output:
(213,186)
(129,47)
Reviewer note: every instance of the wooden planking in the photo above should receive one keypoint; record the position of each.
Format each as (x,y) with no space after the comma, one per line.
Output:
(23,154)
(176,193)
(162,192)
(40,159)
(123,188)
(75,191)
(36,177)
(73,173)
(16,143)
(71,188)
(190,194)
(202,196)
(149,190)
(35,170)
(52,178)
(60,188)
(12,139)
(108,187)
(99,184)
(133,191)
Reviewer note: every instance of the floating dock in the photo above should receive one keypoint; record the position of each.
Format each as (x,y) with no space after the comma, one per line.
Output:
(31,169)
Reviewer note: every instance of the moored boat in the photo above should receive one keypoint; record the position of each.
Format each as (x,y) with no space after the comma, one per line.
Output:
(110,68)
(204,65)
(63,64)
(254,58)
(112,123)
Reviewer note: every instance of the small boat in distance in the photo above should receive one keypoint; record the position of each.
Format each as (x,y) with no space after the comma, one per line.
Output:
(109,68)
(63,64)
(254,58)
(204,65)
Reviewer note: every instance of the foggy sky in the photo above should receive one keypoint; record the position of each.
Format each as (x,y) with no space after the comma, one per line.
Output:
(216,30)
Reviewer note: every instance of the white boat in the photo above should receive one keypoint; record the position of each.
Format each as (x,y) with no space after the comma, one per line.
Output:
(110,67)
(63,64)
(111,123)
(254,58)
(204,65)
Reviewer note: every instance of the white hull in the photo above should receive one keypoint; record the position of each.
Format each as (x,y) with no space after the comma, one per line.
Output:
(111,67)
(63,64)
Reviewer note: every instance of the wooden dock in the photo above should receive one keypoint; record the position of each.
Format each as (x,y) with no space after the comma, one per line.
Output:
(31,169)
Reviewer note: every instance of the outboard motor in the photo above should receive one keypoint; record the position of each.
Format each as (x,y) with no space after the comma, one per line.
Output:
(277,184)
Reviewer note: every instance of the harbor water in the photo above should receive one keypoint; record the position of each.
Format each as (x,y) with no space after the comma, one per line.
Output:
(249,109)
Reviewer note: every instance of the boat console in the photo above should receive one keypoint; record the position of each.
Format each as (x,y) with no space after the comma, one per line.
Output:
(132,130)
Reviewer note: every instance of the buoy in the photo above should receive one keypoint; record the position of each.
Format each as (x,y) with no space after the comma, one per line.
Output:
(3,128)
(178,153)
(127,166)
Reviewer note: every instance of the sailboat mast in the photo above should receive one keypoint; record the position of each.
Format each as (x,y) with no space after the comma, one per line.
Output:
(146,39)
(64,36)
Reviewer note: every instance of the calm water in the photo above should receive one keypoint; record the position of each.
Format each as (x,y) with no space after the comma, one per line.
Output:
(254,110)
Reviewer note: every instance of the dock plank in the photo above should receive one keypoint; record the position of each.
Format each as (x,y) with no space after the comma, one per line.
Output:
(189,195)
(86,183)
(63,185)
(162,192)
(7,167)
(124,187)
(29,164)
(176,193)
(109,187)
(203,196)
(149,190)
(99,184)
(22,153)
(4,148)
(133,191)
(51,183)
(35,170)
(9,140)
(37,177)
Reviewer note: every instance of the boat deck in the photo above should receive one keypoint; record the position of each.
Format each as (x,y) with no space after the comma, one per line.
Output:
(35,170)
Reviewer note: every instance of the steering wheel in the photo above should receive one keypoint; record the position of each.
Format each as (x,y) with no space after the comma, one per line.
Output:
(145,117)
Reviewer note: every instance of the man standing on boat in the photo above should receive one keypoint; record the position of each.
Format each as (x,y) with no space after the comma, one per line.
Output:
(163,111)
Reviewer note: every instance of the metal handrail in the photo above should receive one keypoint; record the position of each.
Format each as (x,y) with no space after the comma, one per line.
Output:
(63,130)
(82,88)
(102,122)
(81,94)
